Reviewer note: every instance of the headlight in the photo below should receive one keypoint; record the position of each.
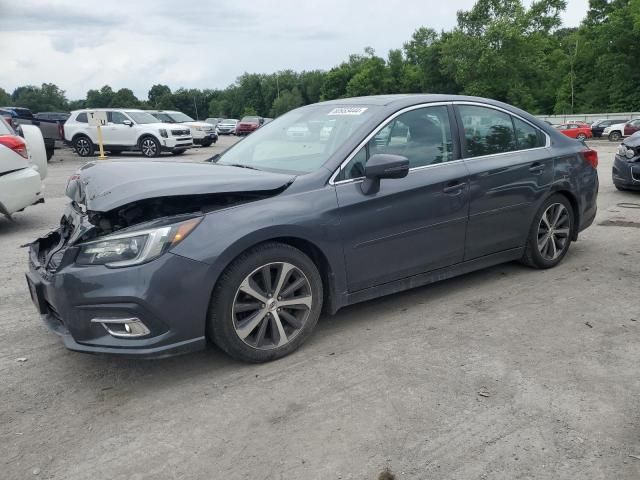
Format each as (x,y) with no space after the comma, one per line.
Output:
(198,128)
(133,248)
(163,133)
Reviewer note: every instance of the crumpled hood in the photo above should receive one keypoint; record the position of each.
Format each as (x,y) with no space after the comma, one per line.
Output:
(104,185)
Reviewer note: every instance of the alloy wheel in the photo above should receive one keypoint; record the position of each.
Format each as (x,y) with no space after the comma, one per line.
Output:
(272,305)
(82,147)
(553,231)
(149,148)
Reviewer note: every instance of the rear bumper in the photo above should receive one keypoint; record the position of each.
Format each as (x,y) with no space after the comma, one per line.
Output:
(169,295)
(625,173)
(19,190)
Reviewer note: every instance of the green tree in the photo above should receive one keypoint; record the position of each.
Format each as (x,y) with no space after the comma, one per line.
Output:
(5,98)
(288,100)
(156,93)
(124,98)
(100,98)
(47,97)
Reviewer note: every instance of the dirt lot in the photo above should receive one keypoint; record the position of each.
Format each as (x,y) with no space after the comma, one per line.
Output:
(501,374)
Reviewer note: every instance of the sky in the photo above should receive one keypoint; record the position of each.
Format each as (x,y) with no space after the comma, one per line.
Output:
(84,44)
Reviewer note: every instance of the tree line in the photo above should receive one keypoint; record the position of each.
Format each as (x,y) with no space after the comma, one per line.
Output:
(498,49)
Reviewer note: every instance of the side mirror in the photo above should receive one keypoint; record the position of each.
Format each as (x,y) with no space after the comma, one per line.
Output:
(382,166)
(128,122)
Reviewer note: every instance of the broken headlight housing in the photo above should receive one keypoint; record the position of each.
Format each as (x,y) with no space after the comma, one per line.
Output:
(627,152)
(136,247)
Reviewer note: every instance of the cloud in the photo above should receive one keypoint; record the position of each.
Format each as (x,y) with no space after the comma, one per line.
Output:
(85,44)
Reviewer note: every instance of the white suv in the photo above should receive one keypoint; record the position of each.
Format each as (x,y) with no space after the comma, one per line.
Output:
(127,129)
(203,133)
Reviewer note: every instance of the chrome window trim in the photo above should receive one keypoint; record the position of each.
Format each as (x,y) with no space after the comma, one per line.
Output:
(332,180)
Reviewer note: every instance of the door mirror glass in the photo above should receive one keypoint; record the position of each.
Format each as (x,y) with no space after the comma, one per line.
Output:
(382,166)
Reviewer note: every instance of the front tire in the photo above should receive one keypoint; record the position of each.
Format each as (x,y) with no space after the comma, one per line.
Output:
(550,234)
(150,147)
(206,144)
(83,146)
(615,136)
(266,303)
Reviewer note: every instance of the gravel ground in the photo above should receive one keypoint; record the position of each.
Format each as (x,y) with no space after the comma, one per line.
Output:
(504,373)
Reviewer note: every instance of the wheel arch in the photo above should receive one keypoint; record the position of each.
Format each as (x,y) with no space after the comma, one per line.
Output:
(146,135)
(331,301)
(573,201)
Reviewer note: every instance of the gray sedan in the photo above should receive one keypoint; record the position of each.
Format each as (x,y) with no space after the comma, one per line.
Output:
(381,194)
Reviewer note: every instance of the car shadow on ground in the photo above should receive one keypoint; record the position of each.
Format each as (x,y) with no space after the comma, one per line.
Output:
(212,366)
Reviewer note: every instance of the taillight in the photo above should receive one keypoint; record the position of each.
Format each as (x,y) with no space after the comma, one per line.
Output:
(591,157)
(16,144)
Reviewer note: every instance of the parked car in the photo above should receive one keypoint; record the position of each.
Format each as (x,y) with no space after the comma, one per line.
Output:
(213,121)
(8,116)
(227,126)
(128,129)
(247,250)
(618,131)
(55,116)
(248,125)
(578,131)
(201,132)
(52,130)
(23,166)
(597,128)
(626,165)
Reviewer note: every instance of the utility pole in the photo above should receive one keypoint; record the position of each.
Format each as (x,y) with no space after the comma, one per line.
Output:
(277,85)
(195,104)
(573,75)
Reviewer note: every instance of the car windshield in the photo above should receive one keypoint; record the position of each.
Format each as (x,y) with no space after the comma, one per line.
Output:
(180,117)
(163,117)
(250,119)
(229,122)
(300,141)
(142,117)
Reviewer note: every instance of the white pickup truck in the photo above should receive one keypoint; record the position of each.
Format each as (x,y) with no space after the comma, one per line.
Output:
(23,167)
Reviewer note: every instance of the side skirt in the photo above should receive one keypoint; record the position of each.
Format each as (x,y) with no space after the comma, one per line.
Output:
(434,276)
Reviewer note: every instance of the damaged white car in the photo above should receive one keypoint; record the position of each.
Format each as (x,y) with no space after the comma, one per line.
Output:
(23,167)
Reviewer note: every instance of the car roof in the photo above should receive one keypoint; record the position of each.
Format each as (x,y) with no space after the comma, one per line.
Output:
(108,110)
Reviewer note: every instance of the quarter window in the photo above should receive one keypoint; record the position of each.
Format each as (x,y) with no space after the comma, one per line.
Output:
(422,135)
(487,131)
(82,117)
(527,136)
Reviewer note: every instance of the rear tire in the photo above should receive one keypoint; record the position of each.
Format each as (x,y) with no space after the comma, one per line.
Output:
(83,146)
(207,144)
(150,147)
(615,136)
(582,137)
(550,233)
(620,187)
(266,303)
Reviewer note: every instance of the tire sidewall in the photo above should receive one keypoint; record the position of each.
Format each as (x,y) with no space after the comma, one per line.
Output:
(537,258)
(220,327)
(614,136)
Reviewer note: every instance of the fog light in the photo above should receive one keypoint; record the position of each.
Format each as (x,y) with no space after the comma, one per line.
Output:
(123,327)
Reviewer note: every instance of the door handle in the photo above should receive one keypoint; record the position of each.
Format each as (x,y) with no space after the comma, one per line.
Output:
(455,188)
(536,168)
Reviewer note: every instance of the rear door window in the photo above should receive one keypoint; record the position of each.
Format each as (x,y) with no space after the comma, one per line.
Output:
(82,117)
(527,136)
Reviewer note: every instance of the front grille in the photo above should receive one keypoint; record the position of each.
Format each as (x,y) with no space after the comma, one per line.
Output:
(179,133)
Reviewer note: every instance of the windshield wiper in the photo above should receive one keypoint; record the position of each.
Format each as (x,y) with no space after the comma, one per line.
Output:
(240,166)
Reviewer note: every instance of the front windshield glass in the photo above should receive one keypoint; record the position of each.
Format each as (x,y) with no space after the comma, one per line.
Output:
(142,117)
(250,119)
(300,141)
(181,117)
(163,117)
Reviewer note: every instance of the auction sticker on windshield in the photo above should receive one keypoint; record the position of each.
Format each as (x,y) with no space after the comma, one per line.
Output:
(347,111)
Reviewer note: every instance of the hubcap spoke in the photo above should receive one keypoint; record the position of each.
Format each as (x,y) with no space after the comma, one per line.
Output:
(293,287)
(250,324)
(285,269)
(553,231)
(250,288)
(562,232)
(296,302)
(282,336)
(290,319)
(246,307)
(266,278)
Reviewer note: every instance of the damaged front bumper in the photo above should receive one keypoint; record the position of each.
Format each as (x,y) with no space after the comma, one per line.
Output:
(626,173)
(88,306)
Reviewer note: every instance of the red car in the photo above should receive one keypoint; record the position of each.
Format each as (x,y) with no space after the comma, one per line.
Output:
(248,125)
(576,130)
